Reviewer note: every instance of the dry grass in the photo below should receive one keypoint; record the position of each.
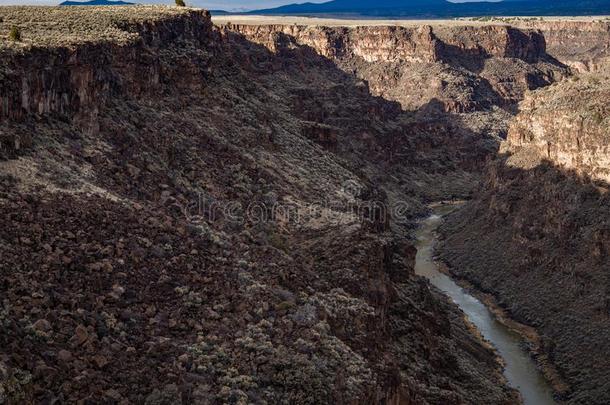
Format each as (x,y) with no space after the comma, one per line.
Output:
(68,26)
(332,22)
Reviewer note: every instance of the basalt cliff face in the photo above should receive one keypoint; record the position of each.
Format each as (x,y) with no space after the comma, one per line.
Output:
(457,68)
(537,236)
(189,217)
(75,75)
(400,44)
(566,125)
(583,46)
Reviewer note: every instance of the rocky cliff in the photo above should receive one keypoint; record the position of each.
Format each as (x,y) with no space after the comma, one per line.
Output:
(537,236)
(402,44)
(189,217)
(567,125)
(457,68)
(584,46)
(85,71)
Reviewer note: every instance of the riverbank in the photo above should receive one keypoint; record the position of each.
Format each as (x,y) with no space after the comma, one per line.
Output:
(519,369)
(531,339)
(544,259)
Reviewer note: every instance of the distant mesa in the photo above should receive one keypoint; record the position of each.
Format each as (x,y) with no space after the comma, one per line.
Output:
(96,3)
(221,12)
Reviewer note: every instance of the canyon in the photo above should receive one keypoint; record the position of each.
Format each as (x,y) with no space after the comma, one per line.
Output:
(207,212)
(540,226)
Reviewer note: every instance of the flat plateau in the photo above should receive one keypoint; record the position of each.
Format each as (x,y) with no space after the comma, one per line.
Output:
(336,22)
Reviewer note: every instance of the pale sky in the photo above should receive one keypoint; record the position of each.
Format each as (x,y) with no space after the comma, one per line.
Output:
(229,5)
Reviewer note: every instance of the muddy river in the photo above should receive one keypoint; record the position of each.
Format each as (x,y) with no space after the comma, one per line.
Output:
(521,371)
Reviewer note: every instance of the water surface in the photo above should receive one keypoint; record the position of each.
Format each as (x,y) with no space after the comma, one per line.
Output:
(520,371)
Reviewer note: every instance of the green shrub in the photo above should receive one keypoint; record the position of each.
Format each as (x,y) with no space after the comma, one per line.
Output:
(14,34)
(597,117)
(277,241)
(284,306)
(180,3)
(595,80)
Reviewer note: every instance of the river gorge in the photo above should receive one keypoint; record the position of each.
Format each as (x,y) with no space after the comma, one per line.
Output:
(520,369)
(136,142)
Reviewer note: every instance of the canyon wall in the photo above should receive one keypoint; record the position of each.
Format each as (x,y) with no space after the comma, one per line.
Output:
(189,217)
(402,44)
(537,236)
(566,124)
(584,46)
(457,68)
(82,76)
(79,78)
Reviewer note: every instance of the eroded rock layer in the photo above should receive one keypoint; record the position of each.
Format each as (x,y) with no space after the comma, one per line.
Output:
(584,46)
(455,68)
(567,125)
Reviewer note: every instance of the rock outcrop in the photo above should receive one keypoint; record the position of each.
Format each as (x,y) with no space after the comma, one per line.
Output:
(568,125)
(86,71)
